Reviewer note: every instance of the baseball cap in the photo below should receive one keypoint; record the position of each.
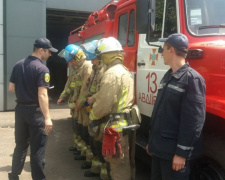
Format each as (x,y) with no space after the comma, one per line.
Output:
(178,41)
(45,44)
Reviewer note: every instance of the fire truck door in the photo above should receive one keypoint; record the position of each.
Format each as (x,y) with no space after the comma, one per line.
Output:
(125,32)
(150,63)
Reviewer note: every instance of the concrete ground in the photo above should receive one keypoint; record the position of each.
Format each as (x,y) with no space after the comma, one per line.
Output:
(59,161)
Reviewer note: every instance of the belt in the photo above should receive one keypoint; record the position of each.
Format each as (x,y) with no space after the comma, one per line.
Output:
(27,104)
(112,117)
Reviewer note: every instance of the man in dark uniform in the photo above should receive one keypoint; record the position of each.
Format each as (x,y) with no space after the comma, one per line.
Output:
(30,81)
(178,115)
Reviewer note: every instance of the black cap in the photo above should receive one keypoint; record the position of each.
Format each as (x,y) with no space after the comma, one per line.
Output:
(45,44)
(178,41)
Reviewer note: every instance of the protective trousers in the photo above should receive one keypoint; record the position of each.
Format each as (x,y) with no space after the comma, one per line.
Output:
(96,147)
(74,119)
(29,129)
(83,121)
(85,138)
(120,167)
(85,135)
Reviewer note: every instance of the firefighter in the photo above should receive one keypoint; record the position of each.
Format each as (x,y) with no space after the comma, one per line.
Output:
(97,163)
(73,90)
(110,110)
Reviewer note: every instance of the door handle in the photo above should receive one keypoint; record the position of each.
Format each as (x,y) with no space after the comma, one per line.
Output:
(141,63)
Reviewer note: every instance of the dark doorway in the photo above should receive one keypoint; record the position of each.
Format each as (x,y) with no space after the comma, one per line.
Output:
(59,25)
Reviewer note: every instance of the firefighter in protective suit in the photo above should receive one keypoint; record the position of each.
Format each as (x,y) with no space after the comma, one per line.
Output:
(73,90)
(98,164)
(111,108)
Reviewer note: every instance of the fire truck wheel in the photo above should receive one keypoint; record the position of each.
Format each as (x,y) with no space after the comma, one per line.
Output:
(206,169)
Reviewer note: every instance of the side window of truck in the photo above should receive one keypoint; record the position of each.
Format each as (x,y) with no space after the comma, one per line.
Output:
(122,31)
(131,30)
(170,26)
(156,34)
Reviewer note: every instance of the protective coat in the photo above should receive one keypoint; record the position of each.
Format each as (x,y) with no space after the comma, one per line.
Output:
(82,71)
(116,94)
(69,91)
(75,90)
(93,85)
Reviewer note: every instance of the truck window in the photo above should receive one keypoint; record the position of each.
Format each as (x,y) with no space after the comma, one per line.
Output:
(205,17)
(131,30)
(122,31)
(170,26)
(154,36)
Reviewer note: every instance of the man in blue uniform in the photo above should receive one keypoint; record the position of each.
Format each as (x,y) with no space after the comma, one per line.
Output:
(30,81)
(178,115)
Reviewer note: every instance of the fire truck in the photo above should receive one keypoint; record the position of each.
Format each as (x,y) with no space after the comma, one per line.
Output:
(138,24)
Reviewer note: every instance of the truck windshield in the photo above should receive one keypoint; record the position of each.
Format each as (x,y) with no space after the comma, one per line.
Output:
(205,17)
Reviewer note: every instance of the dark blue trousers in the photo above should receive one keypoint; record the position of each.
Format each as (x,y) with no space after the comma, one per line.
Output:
(29,130)
(162,170)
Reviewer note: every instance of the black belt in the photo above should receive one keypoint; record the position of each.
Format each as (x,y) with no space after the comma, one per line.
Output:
(112,117)
(28,104)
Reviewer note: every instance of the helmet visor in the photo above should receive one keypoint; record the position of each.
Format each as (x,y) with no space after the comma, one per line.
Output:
(89,50)
(65,54)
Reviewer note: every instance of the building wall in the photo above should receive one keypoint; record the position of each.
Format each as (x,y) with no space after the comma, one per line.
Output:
(78,5)
(25,21)
(23,26)
(1,57)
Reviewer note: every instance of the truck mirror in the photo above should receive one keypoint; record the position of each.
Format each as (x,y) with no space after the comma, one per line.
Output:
(151,19)
(160,50)
(145,19)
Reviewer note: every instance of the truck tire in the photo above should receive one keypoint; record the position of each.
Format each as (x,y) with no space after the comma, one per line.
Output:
(206,169)
(212,165)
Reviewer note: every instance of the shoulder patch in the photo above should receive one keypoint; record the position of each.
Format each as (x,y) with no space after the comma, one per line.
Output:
(47,77)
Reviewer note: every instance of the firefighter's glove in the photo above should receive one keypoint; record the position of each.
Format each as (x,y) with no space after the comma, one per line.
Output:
(111,146)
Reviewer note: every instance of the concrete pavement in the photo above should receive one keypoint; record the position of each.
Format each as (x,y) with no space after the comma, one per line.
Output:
(59,161)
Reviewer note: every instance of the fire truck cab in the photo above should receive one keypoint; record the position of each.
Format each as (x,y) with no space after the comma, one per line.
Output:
(138,24)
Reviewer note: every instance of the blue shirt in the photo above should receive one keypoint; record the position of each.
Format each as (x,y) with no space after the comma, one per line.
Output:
(27,75)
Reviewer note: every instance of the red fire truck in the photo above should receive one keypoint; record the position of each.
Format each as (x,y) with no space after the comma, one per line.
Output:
(138,24)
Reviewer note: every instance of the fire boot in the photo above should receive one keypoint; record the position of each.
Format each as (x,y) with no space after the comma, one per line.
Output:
(96,165)
(86,165)
(89,154)
(83,150)
(80,145)
(75,140)
(77,152)
(79,157)
(104,173)
(72,148)
(90,174)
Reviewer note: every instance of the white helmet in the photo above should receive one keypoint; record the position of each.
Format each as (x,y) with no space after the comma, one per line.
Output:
(109,44)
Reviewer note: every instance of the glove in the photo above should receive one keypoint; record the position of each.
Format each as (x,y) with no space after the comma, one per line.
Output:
(111,146)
